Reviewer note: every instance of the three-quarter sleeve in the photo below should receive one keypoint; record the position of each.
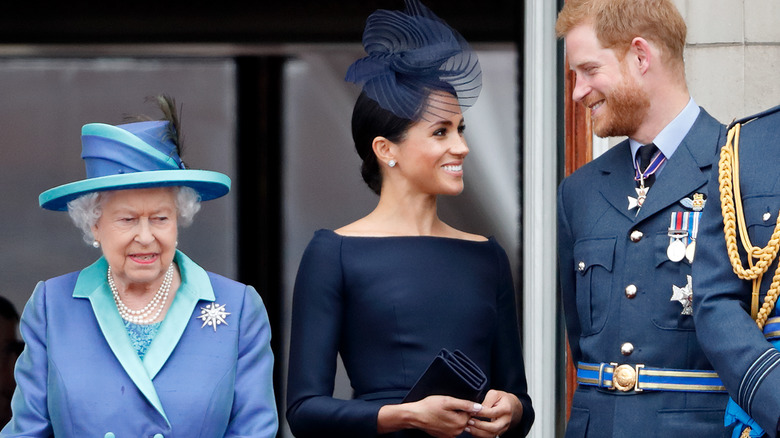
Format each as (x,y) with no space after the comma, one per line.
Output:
(29,402)
(508,373)
(316,324)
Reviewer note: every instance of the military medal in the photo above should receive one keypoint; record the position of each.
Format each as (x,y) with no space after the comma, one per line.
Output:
(696,203)
(676,249)
(684,295)
(641,191)
(641,195)
(683,227)
(693,230)
(689,251)
(678,237)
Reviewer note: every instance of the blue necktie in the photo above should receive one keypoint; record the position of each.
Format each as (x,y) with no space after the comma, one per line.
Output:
(646,153)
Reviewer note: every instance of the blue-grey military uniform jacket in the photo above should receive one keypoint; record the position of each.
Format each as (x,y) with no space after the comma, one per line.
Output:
(617,283)
(742,355)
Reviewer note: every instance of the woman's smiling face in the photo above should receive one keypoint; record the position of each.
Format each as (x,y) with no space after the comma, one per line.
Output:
(137,231)
(431,155)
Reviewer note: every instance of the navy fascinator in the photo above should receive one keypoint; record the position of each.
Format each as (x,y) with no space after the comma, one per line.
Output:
(411,54)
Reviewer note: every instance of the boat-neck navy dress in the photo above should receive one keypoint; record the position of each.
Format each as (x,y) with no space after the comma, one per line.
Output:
(389,305)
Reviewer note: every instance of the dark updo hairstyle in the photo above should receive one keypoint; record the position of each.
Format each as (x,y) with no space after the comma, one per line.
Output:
(369,121)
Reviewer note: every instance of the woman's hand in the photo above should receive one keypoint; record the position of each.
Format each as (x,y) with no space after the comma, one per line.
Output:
(502,409)
(437,415)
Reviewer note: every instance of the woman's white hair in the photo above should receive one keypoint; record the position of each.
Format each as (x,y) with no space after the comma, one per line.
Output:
(87,209)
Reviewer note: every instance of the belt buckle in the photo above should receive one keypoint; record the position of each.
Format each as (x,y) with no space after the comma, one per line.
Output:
(626,378)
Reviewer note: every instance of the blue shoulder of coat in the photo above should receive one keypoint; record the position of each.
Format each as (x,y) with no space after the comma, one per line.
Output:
(64,282)
(223,283)
(228,290)
(773,113)
(704,140)
(64,279)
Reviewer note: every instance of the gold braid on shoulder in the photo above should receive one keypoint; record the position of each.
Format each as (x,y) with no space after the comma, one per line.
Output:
(759,259)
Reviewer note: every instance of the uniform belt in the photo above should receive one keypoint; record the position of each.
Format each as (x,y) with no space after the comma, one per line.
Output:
(772,328)
(640,378)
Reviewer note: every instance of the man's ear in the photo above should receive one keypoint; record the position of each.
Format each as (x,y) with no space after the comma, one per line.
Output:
(641,54)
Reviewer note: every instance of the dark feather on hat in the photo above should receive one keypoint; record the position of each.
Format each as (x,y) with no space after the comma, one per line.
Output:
(167,105)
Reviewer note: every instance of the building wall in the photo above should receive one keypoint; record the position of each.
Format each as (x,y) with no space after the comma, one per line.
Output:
(733,55)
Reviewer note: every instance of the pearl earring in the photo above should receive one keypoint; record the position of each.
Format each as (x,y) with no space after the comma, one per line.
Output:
(95,244)
(391,163)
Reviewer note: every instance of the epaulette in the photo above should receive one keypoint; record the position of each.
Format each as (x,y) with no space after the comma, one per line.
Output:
(764,113)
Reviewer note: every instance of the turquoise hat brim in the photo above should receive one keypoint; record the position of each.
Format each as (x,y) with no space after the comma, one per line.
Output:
(209,184)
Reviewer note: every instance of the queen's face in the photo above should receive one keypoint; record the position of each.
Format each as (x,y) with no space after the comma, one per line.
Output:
(137,233)
(432,153)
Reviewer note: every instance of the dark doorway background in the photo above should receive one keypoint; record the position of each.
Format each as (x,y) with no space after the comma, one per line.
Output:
(240,22)
(254,35)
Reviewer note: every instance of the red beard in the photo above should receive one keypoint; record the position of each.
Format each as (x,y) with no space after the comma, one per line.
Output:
(622,110)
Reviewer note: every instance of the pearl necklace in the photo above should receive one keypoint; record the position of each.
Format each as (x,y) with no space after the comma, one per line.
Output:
(147,315)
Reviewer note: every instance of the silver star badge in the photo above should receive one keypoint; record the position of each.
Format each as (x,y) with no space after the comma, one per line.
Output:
(213,315)
(685,296)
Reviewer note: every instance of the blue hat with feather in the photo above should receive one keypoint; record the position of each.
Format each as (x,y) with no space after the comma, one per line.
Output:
(132,156)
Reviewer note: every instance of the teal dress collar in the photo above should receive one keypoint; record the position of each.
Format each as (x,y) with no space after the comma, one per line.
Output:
(195,285)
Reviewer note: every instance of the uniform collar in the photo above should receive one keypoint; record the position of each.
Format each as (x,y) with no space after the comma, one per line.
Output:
(673,134)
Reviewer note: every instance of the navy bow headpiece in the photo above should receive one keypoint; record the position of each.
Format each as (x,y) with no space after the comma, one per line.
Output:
(411,54)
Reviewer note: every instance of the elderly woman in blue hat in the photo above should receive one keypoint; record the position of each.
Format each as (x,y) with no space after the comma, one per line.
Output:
(143,342)
(398,287)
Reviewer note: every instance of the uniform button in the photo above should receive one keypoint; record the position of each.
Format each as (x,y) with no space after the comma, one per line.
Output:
(767,216)
(158,435)
(626,349)
(109,435)
(636,236)
(581,266)
(630,291)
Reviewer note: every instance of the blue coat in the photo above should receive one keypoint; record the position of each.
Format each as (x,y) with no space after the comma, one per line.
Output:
(616,291)
(79,375)
(743,357)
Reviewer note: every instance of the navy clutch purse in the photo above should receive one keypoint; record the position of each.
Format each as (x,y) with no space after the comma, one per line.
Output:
(452,374)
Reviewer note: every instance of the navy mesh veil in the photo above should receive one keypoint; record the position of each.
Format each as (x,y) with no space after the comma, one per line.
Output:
(410,54)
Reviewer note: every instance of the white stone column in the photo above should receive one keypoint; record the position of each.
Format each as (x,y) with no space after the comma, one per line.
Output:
(538,210)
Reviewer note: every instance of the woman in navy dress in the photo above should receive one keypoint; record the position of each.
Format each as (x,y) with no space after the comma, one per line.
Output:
(390,290)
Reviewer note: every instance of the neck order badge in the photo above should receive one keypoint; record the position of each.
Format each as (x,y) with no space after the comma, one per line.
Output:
(650,159)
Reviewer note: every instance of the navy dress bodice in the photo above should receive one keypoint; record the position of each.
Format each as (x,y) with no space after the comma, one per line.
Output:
(389,305)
